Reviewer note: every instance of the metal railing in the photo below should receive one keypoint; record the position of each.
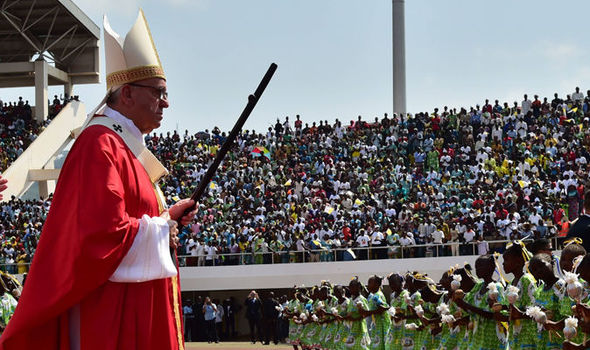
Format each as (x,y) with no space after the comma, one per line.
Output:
(344,254)
(326,255)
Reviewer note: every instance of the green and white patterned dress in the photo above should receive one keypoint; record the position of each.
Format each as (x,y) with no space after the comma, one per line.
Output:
(293,307)
(465,338)
(488,334)
(314,328)
(301,328)
(7,307)
(523,333)
(410,338)
(428,340)
(308,329)
(380,324)
(341,331)
(395,336)
(449,337)
(329,328)
(422,338)
(358,334)
(552,301)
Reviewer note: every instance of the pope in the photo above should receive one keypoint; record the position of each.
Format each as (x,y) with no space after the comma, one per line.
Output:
(103,276)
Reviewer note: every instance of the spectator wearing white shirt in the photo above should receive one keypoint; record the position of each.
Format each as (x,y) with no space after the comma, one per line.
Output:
(468,236)
(377,239)
(211,251)
(362,242)
(437,238)
(577,96)
(191,249)
(482,246)
(407,239)
(200,251)
(526,105)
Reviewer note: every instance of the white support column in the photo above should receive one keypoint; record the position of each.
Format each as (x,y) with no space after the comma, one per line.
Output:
(399,57)
(68,90)
(43,189)
(47,186)
(41,91)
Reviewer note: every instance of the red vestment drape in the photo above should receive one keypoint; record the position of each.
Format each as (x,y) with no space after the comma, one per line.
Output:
(101,193)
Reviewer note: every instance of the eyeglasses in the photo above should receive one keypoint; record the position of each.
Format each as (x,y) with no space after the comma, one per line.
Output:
(161,92)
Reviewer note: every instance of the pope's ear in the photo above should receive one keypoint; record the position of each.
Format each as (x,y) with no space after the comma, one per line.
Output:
(125,94)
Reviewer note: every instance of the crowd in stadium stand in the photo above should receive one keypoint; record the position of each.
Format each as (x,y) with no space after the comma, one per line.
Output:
(369,189)
(18,129)
(21,221)
(492,172)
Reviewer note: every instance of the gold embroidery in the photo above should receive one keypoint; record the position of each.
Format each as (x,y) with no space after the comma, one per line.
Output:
(176,312)
(134,74)
(175,303)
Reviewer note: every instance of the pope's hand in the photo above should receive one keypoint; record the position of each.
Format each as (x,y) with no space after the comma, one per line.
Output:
(177,210)
(174,214)
(173,229)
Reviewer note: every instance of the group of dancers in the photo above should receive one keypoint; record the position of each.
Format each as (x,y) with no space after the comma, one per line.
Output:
(545,306)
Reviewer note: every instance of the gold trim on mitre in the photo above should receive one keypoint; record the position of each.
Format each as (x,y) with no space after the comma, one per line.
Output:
(132,58)
(135,74)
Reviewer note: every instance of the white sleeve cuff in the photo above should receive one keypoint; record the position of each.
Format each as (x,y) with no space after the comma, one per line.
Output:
(149,256)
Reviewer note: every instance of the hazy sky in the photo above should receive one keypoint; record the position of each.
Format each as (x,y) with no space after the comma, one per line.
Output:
(334,56)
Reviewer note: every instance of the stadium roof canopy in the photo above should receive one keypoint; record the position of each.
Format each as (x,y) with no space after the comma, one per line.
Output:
(55,31)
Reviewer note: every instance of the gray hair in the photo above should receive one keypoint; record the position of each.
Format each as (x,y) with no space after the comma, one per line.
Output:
(114,96)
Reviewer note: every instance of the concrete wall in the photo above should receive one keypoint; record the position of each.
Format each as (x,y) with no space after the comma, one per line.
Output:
(243,277)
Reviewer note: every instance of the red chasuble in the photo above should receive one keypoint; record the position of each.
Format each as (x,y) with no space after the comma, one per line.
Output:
(101,194)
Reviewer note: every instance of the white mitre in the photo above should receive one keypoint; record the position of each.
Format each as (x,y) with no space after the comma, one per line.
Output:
(129,59)
(132,58)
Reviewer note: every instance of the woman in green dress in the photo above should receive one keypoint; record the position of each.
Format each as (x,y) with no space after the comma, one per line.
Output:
(358,334)
(380,321)
(328,319)
(522,333)
(399,295)
(431,320)
(449,335)
(307,324)
(295,308)
(290,312)
(309,335)
(569,262)
(337,329)
(549,296)
(469,286)
(301,317)
(488,333)
(317,316)
(416,337)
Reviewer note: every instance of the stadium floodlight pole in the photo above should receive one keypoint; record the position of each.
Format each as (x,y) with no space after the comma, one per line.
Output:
(399,57)
(252,100)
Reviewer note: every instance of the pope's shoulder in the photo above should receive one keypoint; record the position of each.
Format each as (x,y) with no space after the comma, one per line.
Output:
(99,135)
